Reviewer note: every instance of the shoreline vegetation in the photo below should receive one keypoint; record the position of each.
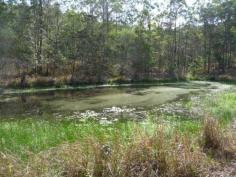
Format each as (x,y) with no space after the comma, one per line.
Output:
(39,83)
(66,83)
(157,147)
(12,90)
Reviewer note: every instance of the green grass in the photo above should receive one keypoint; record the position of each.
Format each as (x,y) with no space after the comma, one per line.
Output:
(33,136)
(223,107)
(24,136)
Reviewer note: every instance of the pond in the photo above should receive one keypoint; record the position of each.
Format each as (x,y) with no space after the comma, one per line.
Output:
(101,101)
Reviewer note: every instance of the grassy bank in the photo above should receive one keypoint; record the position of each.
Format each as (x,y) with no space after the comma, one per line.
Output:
(142,153)
(164,146)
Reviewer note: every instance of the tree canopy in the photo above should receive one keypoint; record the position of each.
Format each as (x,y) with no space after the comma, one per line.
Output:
(95,41)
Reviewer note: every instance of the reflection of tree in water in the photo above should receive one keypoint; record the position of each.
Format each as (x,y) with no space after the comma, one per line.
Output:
(32,105)
(20,107)
(23,98)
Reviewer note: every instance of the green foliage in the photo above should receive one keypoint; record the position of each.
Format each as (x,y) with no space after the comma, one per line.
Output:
(196,69)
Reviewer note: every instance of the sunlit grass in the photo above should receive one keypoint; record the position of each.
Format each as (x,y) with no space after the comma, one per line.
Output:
(223,107)
(33,136)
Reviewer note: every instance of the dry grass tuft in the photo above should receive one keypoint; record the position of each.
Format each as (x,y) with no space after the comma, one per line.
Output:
(10,166)
(215,141)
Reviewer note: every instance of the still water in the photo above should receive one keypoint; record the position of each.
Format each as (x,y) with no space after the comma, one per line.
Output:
(94,101)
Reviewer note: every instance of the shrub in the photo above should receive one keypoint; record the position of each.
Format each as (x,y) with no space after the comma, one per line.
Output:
(225,77)
(14,83)
(41,81)
(61,81)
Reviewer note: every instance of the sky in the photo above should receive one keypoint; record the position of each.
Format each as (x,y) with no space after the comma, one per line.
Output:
(189,2)
(164,3)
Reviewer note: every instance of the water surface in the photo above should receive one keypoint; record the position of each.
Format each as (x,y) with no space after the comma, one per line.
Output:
(72,102)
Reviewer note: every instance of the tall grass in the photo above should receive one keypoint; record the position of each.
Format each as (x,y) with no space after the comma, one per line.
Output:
(143,155)
(32,136)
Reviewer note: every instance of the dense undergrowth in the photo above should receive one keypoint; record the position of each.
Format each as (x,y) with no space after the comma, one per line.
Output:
(183,148)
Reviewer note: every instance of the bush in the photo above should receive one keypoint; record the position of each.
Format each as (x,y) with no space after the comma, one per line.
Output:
(41,81)
(15,83)
(61,81)
(225,78)
(117,80)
